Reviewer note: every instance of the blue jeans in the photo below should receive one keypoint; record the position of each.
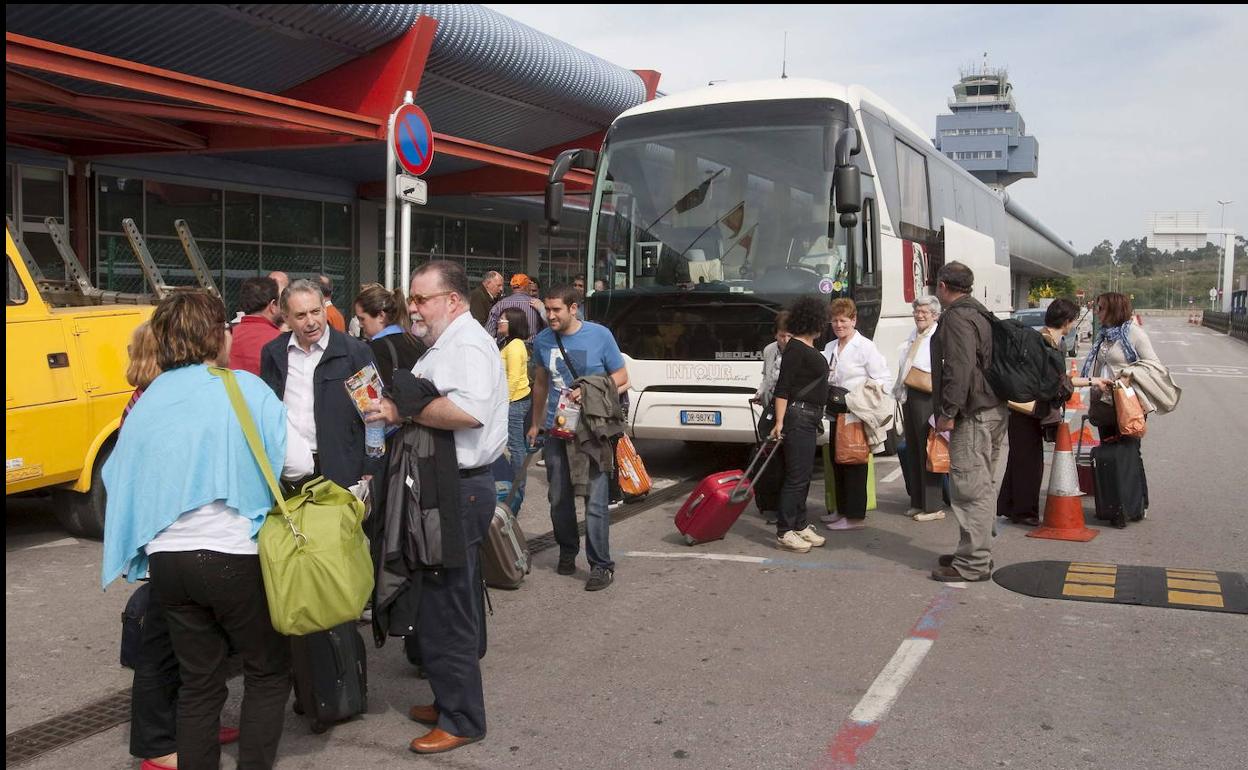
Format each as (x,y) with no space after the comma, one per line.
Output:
(563,507)
(518,446)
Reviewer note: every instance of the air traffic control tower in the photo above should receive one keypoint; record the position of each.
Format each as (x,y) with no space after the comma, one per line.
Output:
(985,134)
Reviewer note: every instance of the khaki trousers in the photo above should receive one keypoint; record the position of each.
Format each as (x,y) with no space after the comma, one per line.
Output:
(974,447)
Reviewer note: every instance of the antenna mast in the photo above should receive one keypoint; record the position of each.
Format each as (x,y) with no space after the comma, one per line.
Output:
(784,58)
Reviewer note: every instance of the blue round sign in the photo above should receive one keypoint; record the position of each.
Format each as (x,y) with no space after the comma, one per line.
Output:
(413,139)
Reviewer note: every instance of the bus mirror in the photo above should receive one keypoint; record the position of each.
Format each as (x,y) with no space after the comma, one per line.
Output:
(847,181)
(847,144)
(849,221)
(554,205)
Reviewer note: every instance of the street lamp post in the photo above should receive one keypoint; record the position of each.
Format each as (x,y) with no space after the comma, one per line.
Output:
(1182,276)
(1217,279)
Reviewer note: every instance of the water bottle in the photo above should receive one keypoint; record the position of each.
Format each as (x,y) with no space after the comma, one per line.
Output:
(375,439)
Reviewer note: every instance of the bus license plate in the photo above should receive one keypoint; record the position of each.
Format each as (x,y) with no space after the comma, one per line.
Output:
(700,418)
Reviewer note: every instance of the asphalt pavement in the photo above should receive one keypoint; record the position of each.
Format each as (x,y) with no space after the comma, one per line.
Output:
(735,654)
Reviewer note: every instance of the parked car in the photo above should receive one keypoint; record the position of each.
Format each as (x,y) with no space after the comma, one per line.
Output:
(1034,318)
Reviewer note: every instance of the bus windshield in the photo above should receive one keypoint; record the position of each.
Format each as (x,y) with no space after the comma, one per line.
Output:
(708,219)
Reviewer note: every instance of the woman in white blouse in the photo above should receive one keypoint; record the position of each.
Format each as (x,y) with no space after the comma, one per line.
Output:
(913,392)
(852,361)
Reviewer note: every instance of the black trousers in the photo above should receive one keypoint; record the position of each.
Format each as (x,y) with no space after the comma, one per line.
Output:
(448,627)
(154,695)
(1024,468)
(926,489)
(851,484)
(799,431)
(212,602)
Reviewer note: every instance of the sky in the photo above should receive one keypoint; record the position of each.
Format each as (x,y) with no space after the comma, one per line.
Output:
(1135,108)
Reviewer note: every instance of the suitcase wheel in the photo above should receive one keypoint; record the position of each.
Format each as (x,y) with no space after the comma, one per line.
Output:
(689,540)
(318,727)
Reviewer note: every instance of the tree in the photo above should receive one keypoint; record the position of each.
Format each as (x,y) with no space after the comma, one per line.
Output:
(1102,253)
(1144,263)
(1128,251)
(1241,247)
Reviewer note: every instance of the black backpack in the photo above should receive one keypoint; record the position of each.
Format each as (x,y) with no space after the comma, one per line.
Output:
(1023,368)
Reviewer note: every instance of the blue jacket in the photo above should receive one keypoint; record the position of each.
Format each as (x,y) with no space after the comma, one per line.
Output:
(181,448)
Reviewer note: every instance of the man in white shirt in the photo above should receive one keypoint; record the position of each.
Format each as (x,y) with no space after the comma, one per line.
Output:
(307,368)
(463,364)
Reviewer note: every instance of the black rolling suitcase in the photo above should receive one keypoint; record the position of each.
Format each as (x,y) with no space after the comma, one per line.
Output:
(1119,470)
(330,675)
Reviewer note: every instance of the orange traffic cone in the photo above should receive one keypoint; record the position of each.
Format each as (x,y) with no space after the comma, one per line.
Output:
(1063,509)
(1076,398)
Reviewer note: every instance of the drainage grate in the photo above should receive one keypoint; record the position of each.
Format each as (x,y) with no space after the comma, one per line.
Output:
(70,727)
(652,500)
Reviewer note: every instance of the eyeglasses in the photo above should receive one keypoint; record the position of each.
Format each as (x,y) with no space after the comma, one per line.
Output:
(420,299)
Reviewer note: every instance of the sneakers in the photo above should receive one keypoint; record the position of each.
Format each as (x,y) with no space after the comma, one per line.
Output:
(831,517)
(810,536)
(612,505)
(599,578)
(843,524)
(567,565)
(932,516)
(540,462)
(912,512)
(791,541)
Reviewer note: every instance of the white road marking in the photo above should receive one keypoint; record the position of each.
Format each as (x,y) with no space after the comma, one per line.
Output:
(886,688)
(890,478)
(53,544)
(698,555)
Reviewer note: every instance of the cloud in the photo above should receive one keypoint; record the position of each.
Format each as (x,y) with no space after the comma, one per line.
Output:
(1135,111)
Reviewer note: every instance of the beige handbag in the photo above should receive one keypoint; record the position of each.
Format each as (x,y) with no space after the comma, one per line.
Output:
(919,380)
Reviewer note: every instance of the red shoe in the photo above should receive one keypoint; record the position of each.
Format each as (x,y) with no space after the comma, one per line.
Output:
(227,735)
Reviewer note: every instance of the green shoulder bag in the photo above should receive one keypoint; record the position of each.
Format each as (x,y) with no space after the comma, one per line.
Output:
(313,554)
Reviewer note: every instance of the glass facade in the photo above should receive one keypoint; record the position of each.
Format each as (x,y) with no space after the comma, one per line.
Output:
(241,234)
(31,194)
(480,245)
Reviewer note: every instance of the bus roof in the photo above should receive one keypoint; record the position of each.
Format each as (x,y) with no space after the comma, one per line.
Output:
(767,90)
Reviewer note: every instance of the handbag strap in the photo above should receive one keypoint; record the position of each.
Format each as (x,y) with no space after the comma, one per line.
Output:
(253,440)
(567,360)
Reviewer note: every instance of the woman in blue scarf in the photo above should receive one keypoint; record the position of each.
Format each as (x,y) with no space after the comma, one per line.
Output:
(186,499)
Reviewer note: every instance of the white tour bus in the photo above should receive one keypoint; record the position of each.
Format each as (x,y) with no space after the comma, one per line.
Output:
(715,208)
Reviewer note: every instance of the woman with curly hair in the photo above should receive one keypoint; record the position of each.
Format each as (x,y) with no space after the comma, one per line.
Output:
(800,395)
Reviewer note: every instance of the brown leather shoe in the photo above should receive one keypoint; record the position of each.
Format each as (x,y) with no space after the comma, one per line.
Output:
(438,740)
(951,575)
(426,715)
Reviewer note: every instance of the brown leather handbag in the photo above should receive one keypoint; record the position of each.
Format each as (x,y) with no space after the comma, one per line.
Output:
(919,380)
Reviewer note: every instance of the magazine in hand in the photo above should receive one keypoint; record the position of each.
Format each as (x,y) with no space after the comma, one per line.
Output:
(365,388)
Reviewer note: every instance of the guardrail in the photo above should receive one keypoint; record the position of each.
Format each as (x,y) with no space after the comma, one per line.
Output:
(1234,325)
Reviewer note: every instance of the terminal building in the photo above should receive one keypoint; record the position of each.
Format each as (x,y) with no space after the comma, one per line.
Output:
(264,127)
(1177,230)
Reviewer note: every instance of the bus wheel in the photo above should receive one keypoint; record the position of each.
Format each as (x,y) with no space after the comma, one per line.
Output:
(82,514)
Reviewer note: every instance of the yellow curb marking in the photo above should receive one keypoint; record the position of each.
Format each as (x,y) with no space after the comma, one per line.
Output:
(1093,570)
(1074,577)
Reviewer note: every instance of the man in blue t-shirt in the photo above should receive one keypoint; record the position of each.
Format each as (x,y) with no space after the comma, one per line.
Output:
(592,350)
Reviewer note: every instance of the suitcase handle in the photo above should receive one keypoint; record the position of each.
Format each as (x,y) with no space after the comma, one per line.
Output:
(1083,421)
(742,490)
(696,502)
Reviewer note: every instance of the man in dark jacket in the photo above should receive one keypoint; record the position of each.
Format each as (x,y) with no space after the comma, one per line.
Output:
(482,298)
(975,417)
(307,368)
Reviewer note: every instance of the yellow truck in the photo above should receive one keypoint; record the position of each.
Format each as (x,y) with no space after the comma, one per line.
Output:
(65,377)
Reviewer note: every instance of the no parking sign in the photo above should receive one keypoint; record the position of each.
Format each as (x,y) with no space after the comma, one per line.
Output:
(413,139)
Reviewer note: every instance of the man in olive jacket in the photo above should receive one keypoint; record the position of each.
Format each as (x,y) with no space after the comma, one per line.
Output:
(975,417)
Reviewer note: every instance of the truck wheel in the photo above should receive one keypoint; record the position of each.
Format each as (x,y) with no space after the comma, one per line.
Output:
(82,514)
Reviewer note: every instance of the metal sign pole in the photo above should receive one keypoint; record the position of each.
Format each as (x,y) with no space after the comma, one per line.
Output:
(388,281)
(406,243)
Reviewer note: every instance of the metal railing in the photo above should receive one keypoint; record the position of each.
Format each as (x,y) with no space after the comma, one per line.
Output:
(1234,325)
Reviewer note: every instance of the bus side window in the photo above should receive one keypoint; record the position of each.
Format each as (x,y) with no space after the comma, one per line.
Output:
(867,257)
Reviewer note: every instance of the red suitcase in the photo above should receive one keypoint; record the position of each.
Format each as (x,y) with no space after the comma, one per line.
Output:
(720,498)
